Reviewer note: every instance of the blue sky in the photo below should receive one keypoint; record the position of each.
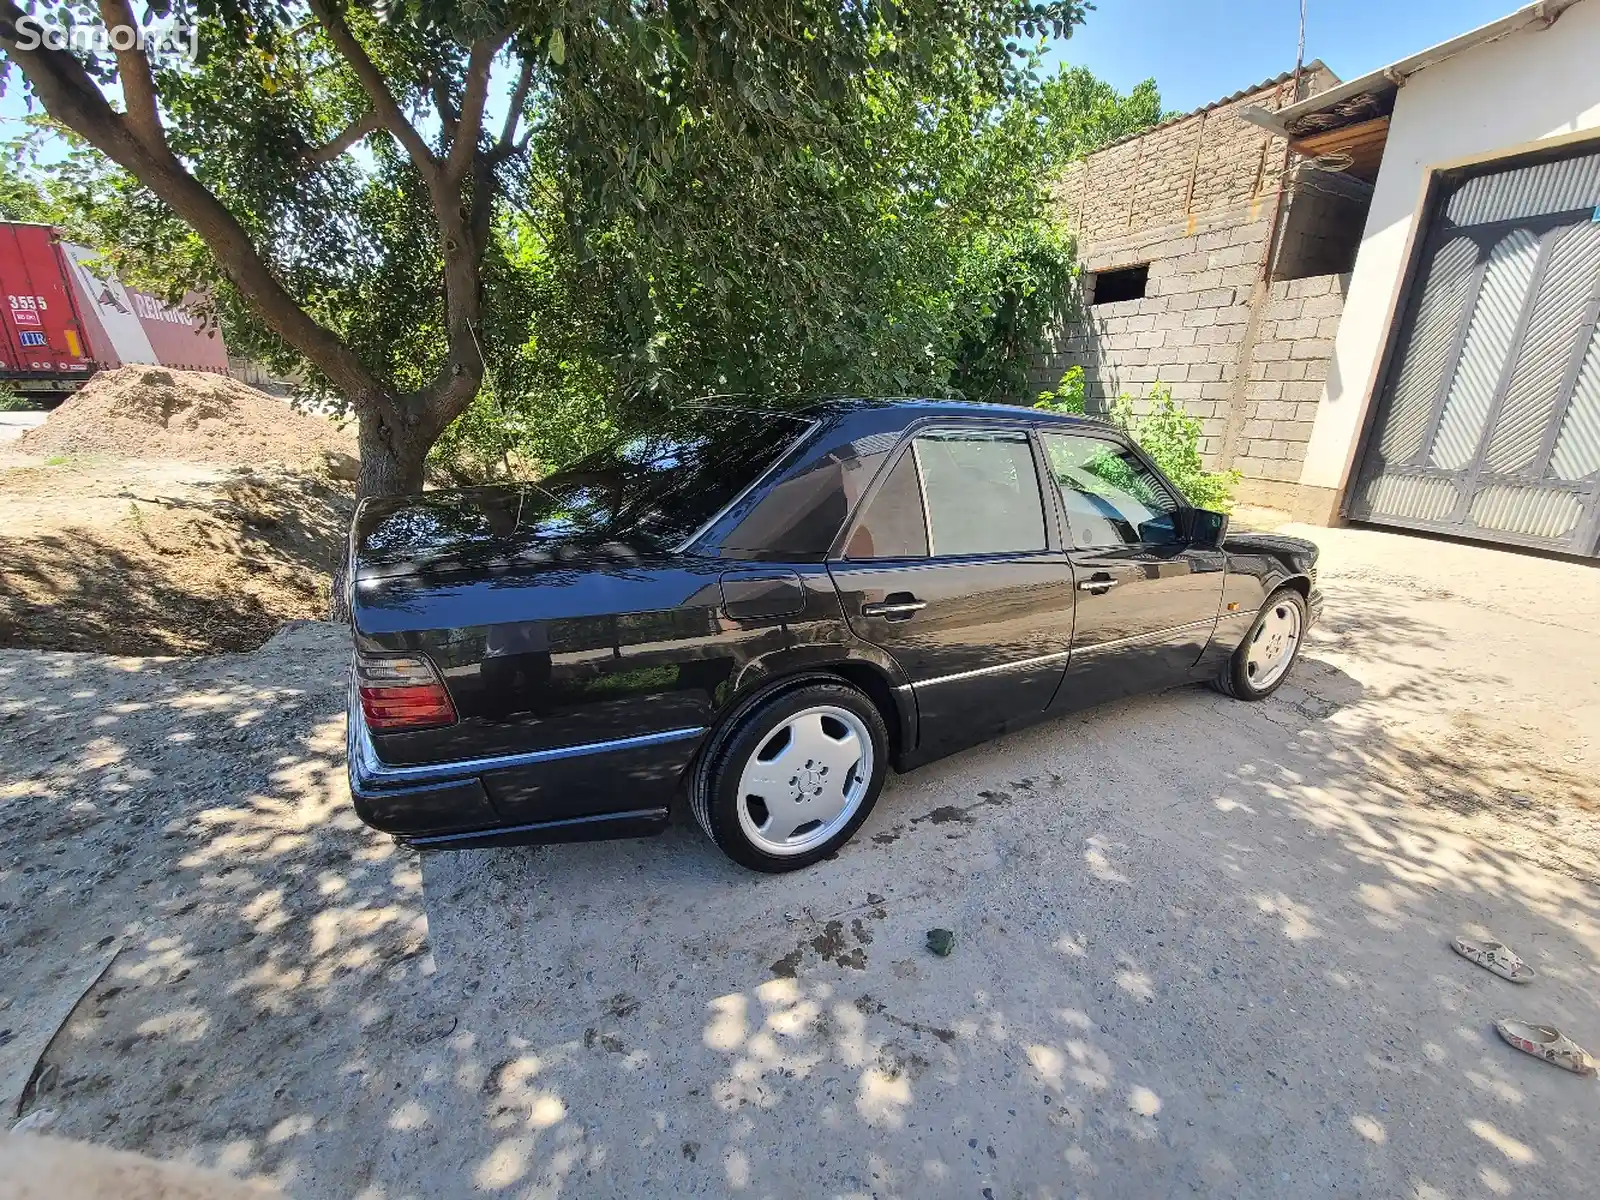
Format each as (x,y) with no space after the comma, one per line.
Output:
(1201,50)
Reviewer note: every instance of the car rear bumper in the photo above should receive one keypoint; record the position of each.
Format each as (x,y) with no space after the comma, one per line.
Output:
(561,795)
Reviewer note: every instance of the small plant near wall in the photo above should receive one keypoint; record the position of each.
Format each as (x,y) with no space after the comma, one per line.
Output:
(1068,396)
(1167,433)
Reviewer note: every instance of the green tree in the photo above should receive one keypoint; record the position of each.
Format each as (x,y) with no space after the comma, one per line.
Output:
(334,174)
(935,272)
(1081,113)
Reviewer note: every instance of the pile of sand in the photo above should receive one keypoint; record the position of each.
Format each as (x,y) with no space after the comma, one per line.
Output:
(129,561)
(156,413)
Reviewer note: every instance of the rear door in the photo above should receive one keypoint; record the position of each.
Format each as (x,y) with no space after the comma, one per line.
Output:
(1147,601)
(953,570)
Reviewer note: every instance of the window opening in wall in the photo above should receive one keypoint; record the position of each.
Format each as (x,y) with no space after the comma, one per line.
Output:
(1125,283)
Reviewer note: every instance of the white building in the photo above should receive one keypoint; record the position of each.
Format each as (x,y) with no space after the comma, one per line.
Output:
(1464,391)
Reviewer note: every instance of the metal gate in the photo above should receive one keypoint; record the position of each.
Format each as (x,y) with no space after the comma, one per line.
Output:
(1488,422)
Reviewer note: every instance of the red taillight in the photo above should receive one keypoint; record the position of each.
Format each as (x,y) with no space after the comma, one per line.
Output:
(402,693)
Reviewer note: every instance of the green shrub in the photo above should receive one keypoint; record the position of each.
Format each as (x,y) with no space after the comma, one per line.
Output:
(1167,433)
(1069,395)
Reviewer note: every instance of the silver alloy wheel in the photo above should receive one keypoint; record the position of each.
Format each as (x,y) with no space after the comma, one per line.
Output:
(1273,646)
(805,781)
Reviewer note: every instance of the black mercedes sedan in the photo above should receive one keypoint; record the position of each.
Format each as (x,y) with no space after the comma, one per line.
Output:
(764,611)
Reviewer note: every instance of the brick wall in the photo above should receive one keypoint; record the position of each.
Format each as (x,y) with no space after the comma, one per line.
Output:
(1205,161)
(1323,218)
(1186,332)
(1288,365)
(1197,200)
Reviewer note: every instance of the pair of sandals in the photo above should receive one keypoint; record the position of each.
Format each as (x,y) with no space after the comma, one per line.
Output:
(1544,1042)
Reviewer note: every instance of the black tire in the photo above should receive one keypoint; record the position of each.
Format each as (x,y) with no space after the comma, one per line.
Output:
(1234,678)
(713,789)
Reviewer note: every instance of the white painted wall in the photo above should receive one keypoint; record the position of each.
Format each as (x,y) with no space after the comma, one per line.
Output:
(1527,87)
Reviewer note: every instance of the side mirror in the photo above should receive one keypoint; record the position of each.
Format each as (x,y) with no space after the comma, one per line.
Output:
(1207,529)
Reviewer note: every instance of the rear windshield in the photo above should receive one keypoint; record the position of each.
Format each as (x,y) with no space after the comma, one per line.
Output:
(661,487)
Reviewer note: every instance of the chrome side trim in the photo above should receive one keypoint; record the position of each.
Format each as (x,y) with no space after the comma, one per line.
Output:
(510,831)
(368,770)
(1019,665)
(1024,663)
(1139,638)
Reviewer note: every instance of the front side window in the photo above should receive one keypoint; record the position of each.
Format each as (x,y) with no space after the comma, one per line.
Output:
(981,493)
(1110,496)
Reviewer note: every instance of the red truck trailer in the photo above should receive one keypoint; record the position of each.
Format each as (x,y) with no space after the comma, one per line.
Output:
(45,347)
(64,318)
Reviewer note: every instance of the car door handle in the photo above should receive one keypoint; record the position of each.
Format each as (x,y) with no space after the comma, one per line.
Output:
(1098,586)
(898,607)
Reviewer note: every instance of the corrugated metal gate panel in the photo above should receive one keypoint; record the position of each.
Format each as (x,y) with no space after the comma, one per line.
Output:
(1489,421)
(1494,323)
(1577,449)
(1535,389)
(1527,192)
(1431,349)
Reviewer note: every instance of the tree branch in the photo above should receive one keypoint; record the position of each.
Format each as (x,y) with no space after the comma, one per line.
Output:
(352,133)
(133,72)
(449,114)
(465,145)
(372,82)
(68,94)
(519,97)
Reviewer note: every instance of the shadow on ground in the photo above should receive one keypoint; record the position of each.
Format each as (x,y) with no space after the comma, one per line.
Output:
(276,948)
(1200,946)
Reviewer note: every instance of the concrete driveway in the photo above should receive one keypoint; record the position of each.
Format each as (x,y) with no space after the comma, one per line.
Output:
(1201,945)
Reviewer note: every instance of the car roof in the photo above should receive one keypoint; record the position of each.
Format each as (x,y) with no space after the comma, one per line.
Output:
(917,407)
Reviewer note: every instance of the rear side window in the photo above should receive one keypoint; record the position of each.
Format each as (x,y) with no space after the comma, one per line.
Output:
(981,492)
(800,517)
(893,525)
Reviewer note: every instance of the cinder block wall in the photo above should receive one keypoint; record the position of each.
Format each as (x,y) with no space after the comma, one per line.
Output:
(1197,200)
(1188,329)
(1288,365)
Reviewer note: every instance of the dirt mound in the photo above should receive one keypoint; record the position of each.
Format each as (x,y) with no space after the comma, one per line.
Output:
(194,416)
(158,565)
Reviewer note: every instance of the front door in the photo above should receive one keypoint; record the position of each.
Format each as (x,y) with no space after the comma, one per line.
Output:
(1147,603)
(950,570)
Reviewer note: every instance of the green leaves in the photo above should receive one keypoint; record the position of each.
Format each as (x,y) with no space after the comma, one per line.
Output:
(1171,437)
(772,196)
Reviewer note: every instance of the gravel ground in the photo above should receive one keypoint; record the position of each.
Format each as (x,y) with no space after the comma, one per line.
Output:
(1201,945)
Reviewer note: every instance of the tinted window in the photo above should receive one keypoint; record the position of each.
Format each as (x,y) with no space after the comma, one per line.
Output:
(981,491)
(662,486)
(893,525)
(1111,498)
(800,517)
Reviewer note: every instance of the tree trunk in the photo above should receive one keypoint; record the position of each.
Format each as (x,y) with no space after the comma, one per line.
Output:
(392,458)
(391,465)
